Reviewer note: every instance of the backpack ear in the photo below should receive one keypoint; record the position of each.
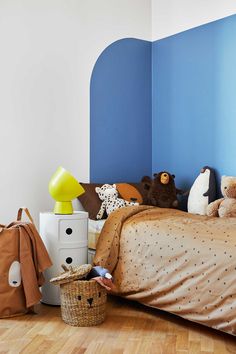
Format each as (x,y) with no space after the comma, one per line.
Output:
(155,174)
(114,186)
(97,189)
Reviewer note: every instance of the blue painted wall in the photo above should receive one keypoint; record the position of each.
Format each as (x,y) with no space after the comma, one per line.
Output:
(186,121)
(120,113)
(194,101)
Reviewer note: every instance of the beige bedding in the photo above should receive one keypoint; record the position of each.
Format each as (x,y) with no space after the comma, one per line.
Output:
(175,261)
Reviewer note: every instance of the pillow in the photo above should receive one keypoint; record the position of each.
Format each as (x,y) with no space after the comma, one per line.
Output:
(129,192)
(91,202)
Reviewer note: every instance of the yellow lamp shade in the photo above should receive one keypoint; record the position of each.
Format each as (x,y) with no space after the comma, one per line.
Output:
(63,187)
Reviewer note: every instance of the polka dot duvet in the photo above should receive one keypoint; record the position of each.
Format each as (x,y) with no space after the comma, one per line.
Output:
(175,261)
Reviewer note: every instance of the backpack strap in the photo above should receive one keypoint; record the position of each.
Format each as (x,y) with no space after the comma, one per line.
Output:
(19,214)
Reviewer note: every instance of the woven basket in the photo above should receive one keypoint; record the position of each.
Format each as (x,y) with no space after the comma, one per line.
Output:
(83,302)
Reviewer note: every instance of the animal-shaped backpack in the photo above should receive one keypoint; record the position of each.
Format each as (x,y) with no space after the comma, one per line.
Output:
(110,201)
(22,262)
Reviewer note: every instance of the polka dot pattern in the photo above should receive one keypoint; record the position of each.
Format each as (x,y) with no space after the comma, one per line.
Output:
(175,261)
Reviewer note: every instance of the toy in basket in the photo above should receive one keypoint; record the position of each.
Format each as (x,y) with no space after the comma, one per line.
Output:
(83,302)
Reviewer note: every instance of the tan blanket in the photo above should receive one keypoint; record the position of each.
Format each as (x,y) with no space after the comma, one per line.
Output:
(175,261)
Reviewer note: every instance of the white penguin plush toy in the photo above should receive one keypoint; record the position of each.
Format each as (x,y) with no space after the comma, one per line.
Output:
(203,191)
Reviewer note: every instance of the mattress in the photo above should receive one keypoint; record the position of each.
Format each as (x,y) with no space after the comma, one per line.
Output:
(94,230)
(175,261)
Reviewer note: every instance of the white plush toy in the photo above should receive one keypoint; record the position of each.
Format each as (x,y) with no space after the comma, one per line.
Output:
(110,201)
(203,192)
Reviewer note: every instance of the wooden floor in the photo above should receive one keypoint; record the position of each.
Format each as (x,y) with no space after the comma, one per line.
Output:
(128,328)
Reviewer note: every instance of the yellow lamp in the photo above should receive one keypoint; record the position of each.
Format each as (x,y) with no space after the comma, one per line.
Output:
(63,187)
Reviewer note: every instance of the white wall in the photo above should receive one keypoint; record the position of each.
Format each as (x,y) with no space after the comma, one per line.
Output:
(173,16)
(47,52)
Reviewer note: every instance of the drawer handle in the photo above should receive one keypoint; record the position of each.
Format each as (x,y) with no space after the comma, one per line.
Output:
(69,260)
(69,231)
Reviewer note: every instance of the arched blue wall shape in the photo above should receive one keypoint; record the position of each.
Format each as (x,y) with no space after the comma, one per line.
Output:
(120,113)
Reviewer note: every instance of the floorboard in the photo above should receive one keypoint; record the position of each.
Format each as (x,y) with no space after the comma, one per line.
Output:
(129,328)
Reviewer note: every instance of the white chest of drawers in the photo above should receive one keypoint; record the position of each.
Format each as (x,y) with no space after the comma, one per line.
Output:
(66,240)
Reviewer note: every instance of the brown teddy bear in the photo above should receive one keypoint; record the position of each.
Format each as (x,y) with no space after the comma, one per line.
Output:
(225,206)
(161,190)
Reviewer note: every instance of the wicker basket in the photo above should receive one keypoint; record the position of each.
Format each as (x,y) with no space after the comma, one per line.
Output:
(83,302)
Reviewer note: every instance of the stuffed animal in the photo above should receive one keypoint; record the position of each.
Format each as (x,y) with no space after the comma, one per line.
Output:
(110,201)
(202,192)
(225,206)
(161,190)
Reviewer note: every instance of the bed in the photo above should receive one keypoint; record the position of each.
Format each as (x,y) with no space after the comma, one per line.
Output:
(94,230)
(175,261)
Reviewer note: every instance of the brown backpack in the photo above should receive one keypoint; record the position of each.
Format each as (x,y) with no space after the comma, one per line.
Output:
(23,258)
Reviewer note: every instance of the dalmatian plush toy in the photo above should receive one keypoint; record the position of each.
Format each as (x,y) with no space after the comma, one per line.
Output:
(110,201)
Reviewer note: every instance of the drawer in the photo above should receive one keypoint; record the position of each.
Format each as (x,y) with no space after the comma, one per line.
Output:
(73,230)
(73,256)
